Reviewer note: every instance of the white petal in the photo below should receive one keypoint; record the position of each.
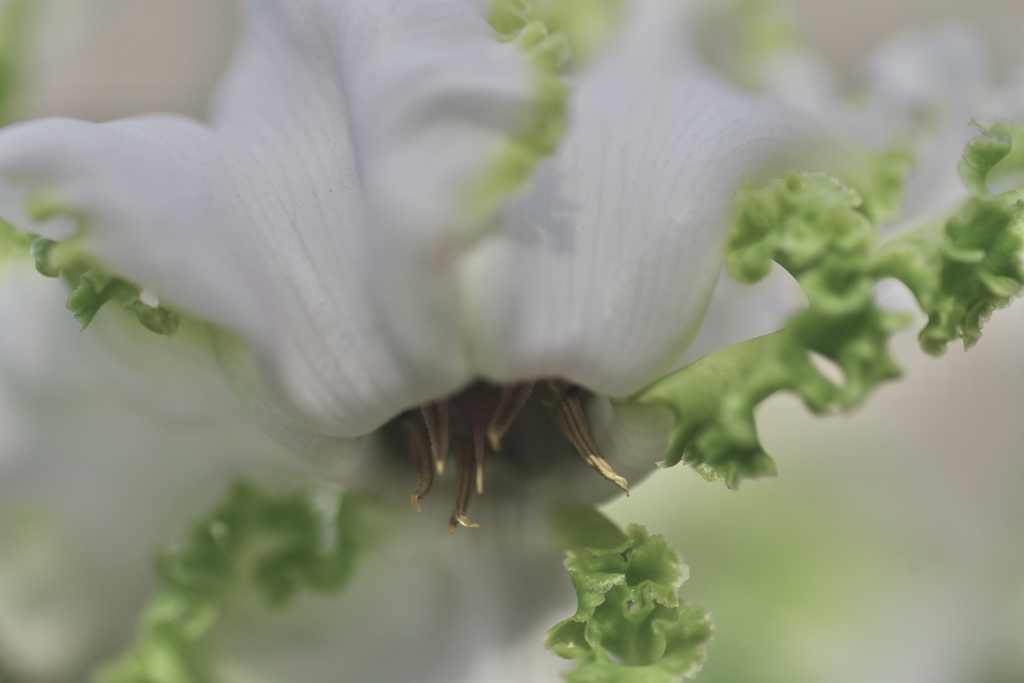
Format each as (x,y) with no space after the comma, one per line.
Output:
(428,96)
(602,272)
(320,214)
(428,607)
(739,312)
(100,482)
(95,480)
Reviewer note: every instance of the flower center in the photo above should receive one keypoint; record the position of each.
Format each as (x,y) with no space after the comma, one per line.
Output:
(471,427)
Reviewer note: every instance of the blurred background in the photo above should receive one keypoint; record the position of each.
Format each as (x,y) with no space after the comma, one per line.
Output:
(889,549)
(102,59)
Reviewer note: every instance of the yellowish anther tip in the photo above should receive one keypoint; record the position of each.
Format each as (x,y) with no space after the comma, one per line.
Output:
(494,441)
(617,480)
(415,500)
(440,466)
(460,520)
(479,481)
(464,521)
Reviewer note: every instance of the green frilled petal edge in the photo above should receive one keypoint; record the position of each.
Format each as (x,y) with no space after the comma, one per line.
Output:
(307,540)
(91,287)
(545,53)
(824,233)
(631,626)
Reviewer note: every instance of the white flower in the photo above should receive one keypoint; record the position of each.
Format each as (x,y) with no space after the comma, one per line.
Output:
(98,471)
(374,210)
(384,213)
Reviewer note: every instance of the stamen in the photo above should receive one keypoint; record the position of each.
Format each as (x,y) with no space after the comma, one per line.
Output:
(435,415)
(464,475)
(421,457)
(556,390)
(513,399)
(479,454)
(573,421)
(477,404)
(483,417)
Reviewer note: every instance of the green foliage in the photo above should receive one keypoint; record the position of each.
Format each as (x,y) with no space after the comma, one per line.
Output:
(587,24)
(1008,173)
(92,287)
(282,545)
(960,271)
(545,52)
(631,625)
(880,182)
(714,399)
(982,154)
(824,233)
(17,21)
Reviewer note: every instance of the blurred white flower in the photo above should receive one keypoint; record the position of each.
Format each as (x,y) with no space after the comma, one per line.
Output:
(382,212)
(374,210)
(370,210)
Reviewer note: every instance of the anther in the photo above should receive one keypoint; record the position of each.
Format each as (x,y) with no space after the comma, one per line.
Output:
(421,457)
(477,405)
(464,474)
(513,399)
(435,415)
(573,422)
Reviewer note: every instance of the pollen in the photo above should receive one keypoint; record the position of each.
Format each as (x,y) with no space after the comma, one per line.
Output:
(472,426)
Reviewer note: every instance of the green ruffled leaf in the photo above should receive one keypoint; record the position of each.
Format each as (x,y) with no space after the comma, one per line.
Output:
(820,231)
(817,229)
(587,24)
(799,223)
(92,287)
(824,233)
(714,399)
(631,625)
(41,250)
(1008,174)
(301,558)
(962,270)
(508,17)
(522,151)
(880,182)
(982,154)
(305,541)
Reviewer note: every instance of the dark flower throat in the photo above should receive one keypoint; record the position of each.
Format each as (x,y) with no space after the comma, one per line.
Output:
(470,427)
